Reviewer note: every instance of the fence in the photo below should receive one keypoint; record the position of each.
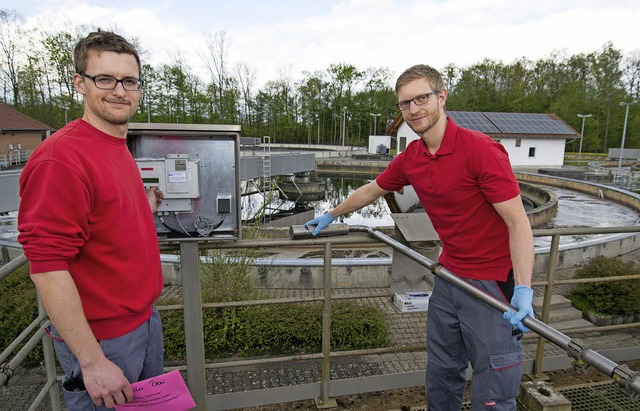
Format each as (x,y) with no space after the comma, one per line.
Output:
(196,364)
(14,158)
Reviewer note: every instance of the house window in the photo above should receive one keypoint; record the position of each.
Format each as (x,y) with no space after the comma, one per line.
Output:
(402,143)
(532,152)
(518,142)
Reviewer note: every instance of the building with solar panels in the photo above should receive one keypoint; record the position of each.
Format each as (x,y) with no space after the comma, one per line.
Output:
(531,139)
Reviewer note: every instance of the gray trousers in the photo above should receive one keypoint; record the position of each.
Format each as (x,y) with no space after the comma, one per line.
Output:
(139,354)
(461,330)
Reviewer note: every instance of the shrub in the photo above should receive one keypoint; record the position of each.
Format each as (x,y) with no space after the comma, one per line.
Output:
(17,310)
(608,298)
(226,276)
(278,329)
(242,331)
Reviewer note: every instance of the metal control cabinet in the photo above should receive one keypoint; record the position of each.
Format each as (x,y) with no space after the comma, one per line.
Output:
(197,168)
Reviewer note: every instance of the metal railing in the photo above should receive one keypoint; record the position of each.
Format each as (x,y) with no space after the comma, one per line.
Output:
(196,365)
(14,158)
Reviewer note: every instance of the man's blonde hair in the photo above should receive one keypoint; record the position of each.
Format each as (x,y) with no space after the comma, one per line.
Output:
(420,71)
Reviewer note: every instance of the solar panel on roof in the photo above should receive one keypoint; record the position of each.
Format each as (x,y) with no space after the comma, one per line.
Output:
(528,123)
(473,120)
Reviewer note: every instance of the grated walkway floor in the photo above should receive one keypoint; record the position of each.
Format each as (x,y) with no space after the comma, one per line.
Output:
(404,329)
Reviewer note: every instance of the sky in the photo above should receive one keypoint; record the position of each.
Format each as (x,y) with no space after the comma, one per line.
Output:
(285,38)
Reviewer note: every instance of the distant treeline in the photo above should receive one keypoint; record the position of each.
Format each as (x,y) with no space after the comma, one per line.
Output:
(37,68)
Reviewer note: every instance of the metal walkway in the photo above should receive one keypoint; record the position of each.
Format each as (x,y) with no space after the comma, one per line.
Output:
(404,329)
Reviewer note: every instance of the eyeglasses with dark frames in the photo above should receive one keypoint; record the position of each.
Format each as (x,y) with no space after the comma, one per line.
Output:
(110,83)
(419,100)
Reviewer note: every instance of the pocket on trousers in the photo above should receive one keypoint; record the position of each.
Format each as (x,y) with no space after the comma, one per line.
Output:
(506,373)
(75,395)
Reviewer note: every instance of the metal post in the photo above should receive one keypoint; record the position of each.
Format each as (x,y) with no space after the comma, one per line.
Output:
(375,122)
(624,133)
(193,327)
(582,135)
(146,101)
(553,264)
(324,401)
(5,255)
(344,121)
(49,362)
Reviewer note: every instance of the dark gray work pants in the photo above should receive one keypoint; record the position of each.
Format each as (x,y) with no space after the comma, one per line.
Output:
(139,354)
(461,330)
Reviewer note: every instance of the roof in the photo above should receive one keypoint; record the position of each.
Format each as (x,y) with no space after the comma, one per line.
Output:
(13,120)
(506,125)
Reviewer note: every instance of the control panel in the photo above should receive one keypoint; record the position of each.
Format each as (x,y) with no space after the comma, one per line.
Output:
(176,176)
(197,167)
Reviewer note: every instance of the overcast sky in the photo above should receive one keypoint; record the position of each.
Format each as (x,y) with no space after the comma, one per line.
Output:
(287,36)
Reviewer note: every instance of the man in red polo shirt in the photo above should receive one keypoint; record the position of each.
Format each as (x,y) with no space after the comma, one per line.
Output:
(467,187)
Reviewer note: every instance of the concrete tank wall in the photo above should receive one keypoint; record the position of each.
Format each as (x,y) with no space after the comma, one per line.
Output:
(547,204)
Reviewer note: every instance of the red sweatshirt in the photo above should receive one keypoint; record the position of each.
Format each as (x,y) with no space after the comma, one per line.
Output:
(83,209)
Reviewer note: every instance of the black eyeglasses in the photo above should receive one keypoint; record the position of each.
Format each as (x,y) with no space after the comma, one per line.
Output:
(419,100)
(110,83)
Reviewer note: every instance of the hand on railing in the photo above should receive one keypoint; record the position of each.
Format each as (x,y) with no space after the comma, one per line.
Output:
(522,300)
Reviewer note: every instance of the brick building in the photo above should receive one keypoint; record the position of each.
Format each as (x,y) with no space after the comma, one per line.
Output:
(19,135)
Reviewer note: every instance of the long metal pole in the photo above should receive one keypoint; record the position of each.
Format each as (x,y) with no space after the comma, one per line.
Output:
(344,123)
(326,326)
(375,122)
(624,133)
(553,264)
(193,325)
(625,377)
(581,138)
(49,361)
(584,116)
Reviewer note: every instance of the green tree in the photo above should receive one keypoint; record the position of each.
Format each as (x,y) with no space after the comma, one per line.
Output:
(11,35)
(607,77)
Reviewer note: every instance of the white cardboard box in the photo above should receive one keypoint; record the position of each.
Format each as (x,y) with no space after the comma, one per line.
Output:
(412,301)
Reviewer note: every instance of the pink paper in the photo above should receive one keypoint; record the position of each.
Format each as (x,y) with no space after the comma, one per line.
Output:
(164,392)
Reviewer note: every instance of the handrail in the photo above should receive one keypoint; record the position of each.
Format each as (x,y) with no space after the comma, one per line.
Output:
(192,306)
(628,380)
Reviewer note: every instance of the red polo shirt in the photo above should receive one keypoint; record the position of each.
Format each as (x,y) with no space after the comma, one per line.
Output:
(457,187)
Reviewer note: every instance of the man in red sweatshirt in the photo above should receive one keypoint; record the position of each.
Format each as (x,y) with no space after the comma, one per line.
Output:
(86,226)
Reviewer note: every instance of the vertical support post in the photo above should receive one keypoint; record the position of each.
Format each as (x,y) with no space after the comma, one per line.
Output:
(344,124)
(5,255)
(193,333)
(548,291)
(324,401)
(49,363)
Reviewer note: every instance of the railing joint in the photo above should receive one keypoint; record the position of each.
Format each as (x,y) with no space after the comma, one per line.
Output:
(8,371)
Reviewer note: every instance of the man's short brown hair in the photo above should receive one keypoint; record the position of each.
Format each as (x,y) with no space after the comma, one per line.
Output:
(420,71)
(102,41)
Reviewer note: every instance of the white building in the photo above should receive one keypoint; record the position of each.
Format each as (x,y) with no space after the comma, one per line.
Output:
(379,144)
(531,139)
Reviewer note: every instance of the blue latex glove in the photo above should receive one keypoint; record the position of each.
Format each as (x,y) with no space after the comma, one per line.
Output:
(522,300)
(320,222)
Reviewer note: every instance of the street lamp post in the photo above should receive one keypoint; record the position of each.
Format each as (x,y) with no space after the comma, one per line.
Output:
(624,133)
(375,122)
(583,116)
(344,121)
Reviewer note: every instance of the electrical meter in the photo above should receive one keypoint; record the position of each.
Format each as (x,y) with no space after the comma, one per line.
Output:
(176,176)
